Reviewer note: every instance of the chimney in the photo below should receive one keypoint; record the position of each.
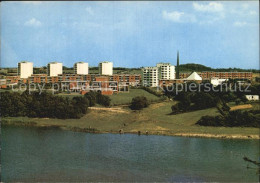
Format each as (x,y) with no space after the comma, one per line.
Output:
(177,69)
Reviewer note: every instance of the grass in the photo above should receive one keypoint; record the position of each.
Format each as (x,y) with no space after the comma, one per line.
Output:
(121,98)
(126,98)
(155,119)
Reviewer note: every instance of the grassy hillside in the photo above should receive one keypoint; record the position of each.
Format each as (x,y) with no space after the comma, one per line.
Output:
(155,119)
(126,98)
(198,68)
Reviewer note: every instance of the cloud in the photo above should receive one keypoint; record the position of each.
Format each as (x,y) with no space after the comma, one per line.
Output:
(177,16)
(31,2)
(245,5)
(252,13)
(239,24)
(33,22)
(210,7)
(89,10)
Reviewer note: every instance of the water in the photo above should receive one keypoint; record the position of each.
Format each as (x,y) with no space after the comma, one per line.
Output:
(34,154)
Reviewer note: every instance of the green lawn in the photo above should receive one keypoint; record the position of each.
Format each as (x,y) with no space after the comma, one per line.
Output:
(126,98)
(121,98)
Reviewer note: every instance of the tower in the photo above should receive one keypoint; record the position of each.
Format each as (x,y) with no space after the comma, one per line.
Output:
(177,68)
(54,68)
(105,68)
(25,69)
(81,68)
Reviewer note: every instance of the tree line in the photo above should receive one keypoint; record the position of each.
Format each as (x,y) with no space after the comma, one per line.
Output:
(237,118)
(201,98)
(44,105)
(47,105)
(199,68)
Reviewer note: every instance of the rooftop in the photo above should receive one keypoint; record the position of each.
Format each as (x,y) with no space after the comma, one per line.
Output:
(55,63)
(105,62)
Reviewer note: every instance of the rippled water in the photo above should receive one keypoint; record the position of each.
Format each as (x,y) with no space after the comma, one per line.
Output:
(34,154)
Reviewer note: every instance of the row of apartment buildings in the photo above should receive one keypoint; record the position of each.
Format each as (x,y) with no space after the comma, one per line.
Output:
(25,69)
(81,80)
(161,74)
(207,75)
(164,73)
(107,84)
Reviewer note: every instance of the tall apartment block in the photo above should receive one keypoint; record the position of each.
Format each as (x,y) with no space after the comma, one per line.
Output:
(81,68)
(167,70)
(25,69)
(54,68)
(150,76)
(105,68)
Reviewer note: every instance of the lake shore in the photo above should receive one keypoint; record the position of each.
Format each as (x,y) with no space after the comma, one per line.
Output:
(165,133)
(155,120)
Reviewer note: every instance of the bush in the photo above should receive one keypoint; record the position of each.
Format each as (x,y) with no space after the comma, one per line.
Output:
(97,97)
(139,103)
(103,100)
(236,118)
(158,94)
(91,96)
(238,101)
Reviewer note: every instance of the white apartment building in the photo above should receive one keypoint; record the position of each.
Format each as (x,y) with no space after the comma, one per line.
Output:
(150,76)
(25,69)
(105,68)
(81,68)
(167,70)
(54,68)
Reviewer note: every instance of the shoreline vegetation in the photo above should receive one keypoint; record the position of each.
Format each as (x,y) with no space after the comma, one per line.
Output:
(141,111)
(153,120)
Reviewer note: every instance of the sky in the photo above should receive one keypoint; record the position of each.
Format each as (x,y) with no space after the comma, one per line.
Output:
(217,34)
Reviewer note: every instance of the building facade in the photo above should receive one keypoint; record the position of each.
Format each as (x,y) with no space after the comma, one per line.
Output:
(81,68)
(54,68)
(167,70)
(162,71)
(105,68)
(78,82)
(150,76)
(226,75)
(25,69)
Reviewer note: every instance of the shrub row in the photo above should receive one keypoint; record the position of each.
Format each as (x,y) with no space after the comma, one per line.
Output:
(236,118)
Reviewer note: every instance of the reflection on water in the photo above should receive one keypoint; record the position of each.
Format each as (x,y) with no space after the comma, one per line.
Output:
(33,154)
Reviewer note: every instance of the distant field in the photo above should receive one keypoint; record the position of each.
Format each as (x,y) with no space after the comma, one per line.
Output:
(126,98)
(121,98)
(256,75)
(118,71)
(132,71)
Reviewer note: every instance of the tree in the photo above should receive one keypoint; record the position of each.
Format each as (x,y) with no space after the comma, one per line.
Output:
(103,100)
(139,103)
(91,96)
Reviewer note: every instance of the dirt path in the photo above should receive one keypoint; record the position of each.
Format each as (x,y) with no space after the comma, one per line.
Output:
(245,106)
(113,109)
